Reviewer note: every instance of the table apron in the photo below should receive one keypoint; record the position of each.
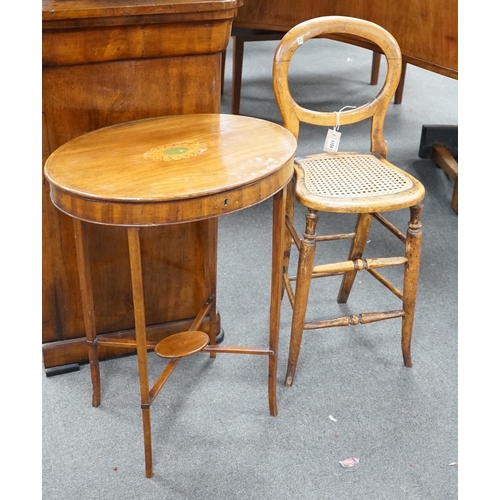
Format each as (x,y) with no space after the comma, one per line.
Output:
(156,213)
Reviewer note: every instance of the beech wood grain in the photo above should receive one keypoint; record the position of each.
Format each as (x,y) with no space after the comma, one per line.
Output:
(348,182)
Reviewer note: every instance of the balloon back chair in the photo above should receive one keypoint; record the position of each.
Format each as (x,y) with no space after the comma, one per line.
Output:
(362,183)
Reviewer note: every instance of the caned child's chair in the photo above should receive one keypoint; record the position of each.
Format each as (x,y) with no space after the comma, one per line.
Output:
(362,183)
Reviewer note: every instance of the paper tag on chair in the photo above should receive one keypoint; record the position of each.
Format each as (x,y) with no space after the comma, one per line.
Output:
(332,141)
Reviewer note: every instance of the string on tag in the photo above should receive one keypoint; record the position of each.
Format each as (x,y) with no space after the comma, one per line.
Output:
(337,113)
(333,135)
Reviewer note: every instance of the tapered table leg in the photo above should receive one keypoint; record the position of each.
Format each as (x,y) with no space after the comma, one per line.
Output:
(279,206)
(83,263)
(140,337)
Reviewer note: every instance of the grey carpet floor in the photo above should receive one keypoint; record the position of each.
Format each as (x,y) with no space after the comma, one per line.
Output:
(213,437)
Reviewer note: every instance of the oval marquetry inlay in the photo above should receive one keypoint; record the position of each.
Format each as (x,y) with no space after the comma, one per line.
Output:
(176,151)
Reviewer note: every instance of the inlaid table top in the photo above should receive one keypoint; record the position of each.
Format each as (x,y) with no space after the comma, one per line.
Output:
(170,169)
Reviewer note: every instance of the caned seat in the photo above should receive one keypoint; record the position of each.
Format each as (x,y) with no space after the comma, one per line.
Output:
(362,183)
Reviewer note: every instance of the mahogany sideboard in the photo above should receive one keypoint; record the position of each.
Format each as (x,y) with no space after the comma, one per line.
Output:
(105,62)
(426,30)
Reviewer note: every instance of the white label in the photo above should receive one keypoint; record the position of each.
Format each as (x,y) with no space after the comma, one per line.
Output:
(332,141)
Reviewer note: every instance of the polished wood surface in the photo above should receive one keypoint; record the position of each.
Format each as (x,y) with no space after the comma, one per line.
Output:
(182,344)
(350,182)
(426,30)
(107,62)
(170,171)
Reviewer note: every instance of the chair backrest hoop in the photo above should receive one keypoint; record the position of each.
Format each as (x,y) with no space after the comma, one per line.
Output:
(376,109)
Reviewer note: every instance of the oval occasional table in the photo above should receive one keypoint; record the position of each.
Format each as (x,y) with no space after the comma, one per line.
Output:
(172,170)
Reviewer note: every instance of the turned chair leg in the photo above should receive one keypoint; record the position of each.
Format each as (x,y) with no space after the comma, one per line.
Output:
(410,285)
(357,248)
(303,284)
